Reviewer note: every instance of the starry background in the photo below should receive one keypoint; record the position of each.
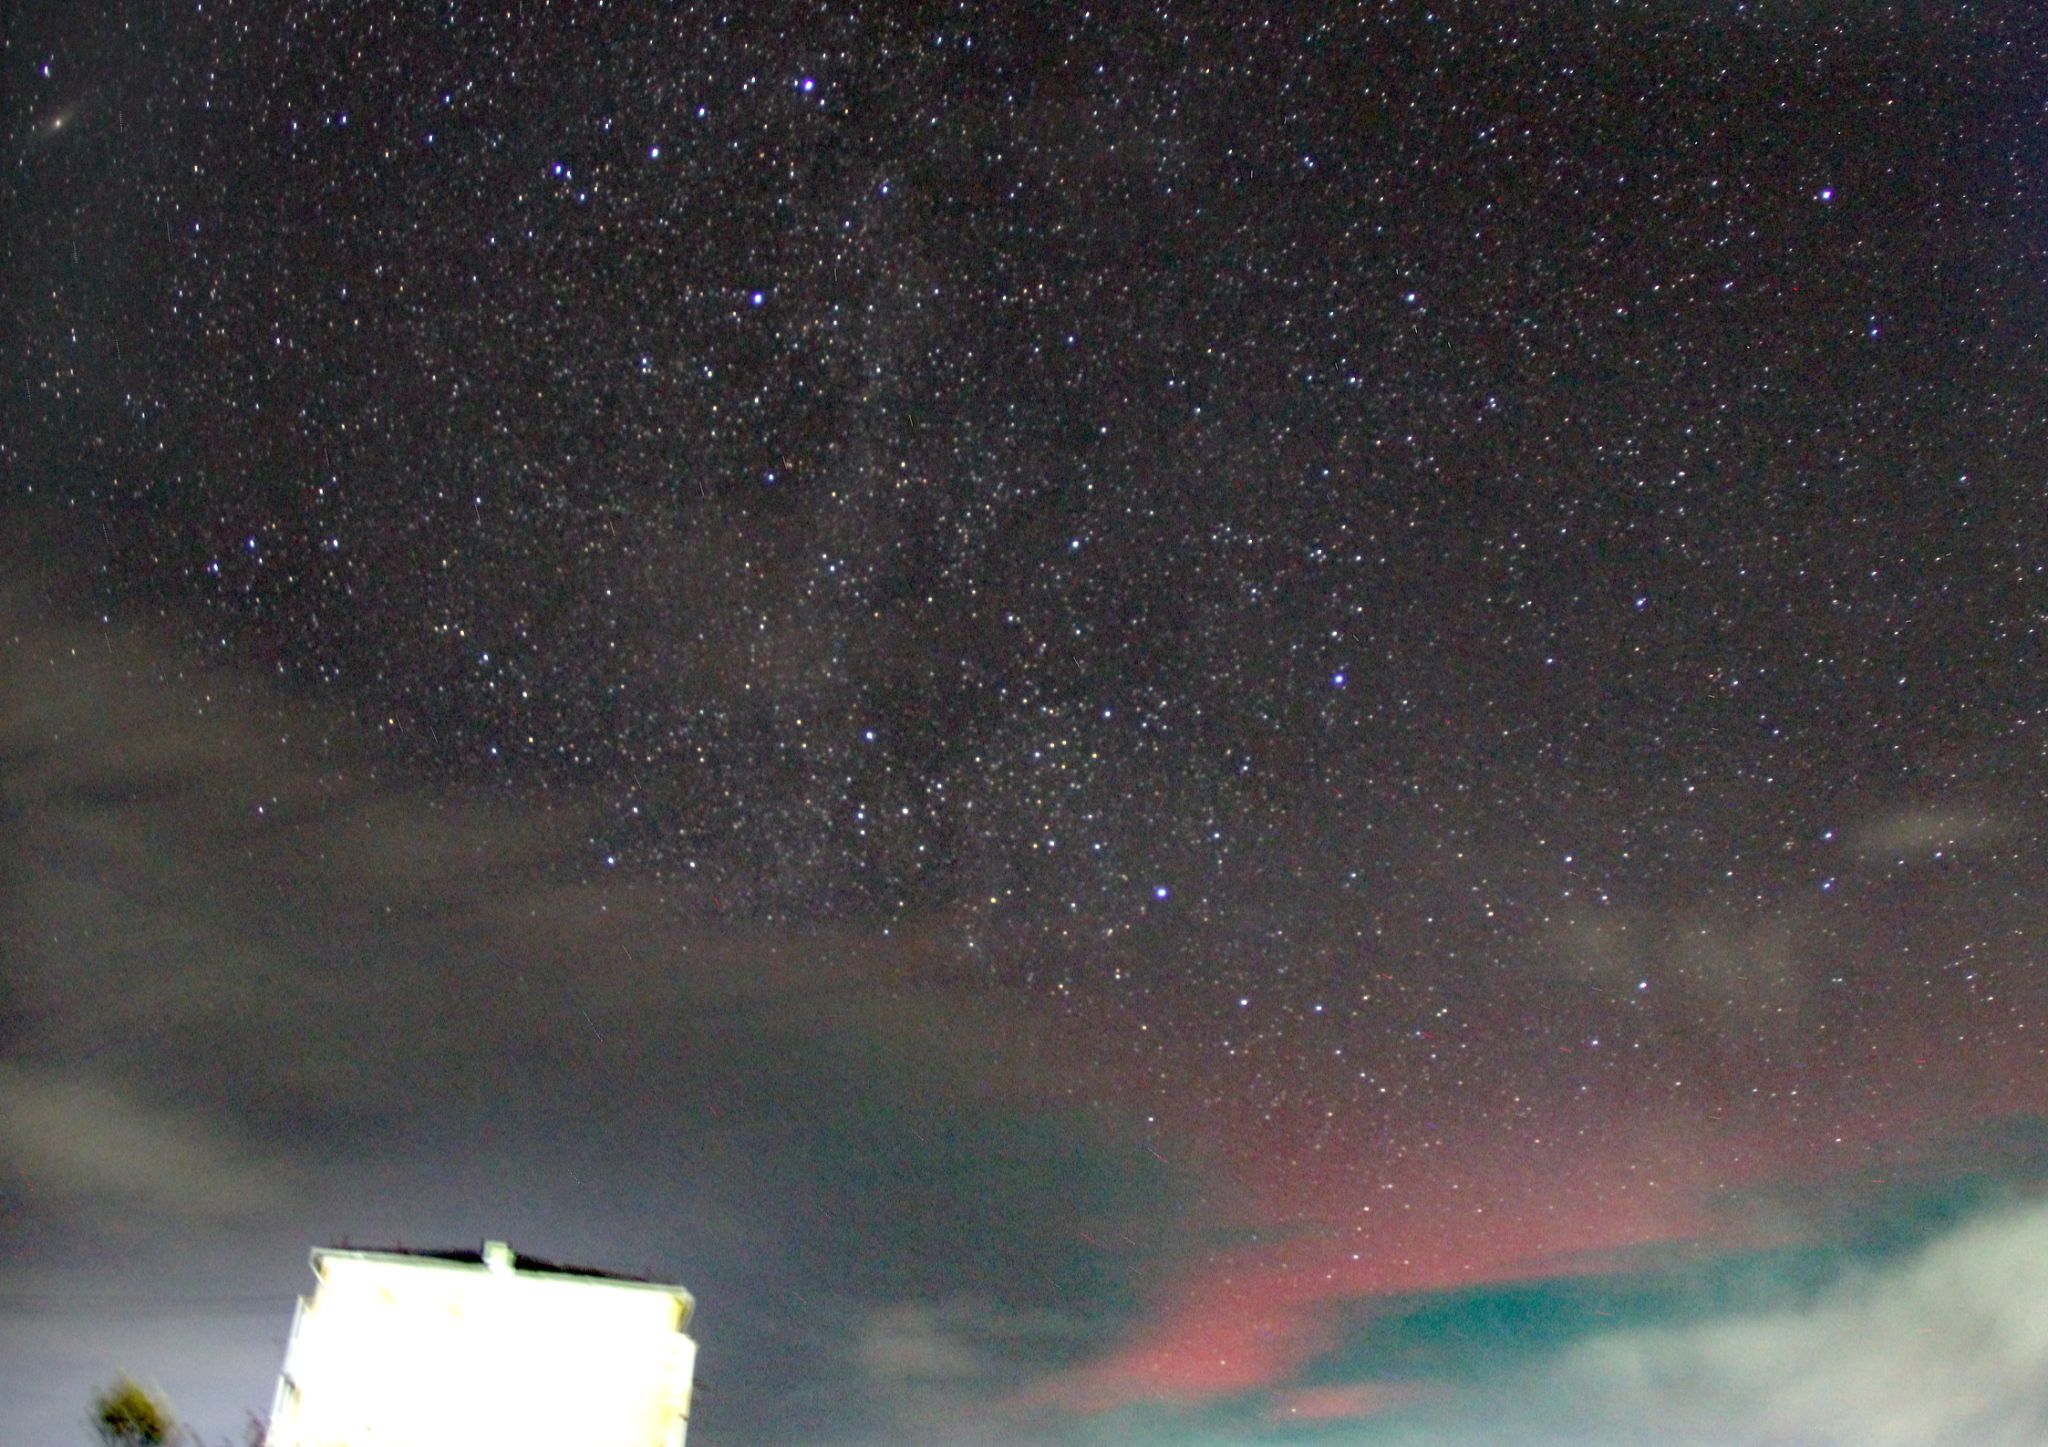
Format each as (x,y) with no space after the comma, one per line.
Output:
(1196,723)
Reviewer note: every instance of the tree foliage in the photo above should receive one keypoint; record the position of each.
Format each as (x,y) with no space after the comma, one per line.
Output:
(126,1415)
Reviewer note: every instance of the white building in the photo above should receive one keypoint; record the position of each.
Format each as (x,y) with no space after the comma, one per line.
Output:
(449,1349)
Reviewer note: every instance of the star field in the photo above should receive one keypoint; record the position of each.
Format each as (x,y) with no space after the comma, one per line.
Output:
(1448,597)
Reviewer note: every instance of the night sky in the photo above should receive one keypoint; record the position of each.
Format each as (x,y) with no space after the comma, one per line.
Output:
(1203,724)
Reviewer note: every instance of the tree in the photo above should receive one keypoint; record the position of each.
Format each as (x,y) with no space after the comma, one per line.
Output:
(125,1415)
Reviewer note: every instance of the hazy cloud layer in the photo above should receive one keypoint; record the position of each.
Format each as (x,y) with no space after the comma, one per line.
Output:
(98,1147)
(258,991)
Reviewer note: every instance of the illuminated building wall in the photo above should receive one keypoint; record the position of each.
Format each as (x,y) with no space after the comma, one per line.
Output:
(395,1349)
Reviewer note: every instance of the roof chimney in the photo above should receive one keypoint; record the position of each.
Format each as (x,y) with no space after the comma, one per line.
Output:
(498,1257)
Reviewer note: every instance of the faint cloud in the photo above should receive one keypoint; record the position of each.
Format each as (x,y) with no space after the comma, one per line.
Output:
(914,1342)
(1924,831)
(1740,971)
(85,1139)
(1356,1402)
(958,1339)
(932,1368)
